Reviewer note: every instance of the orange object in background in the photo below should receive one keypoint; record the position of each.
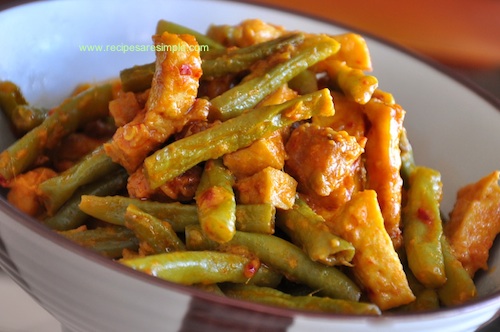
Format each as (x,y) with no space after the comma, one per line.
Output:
(459,33)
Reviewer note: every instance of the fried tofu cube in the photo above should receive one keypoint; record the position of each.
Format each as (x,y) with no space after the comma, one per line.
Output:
(475,222)
(270,185)
(265,152)
(320,157)
(377,266)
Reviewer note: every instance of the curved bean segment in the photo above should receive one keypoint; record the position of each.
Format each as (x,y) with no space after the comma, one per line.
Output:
(107,241)
(197,267)
(69,216)
(248,94)
(459,286)
(167,26)
(287,259)
(231,135)
(89,105)
(23,117)
(423,227)
(156,236)
(293,263)
(138,78)
(309,231)
(257,218)
(216,202)
(236,61)
(57,190)
(275,297)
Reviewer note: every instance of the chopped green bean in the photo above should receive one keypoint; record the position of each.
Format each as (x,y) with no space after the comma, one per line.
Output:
(248,94)
(139,78)
(69,216)
(423,227)
(354,83)
(256,217)
(196,267)
(275,297)
(89,105)
(216,202)
(407,158)
(425,298)
(459,286)
(287,259)
(108,241)
(307,230)
(23,117)
(179,156)
(57,190)
(210,288)
(236,61)
(157,234)
(305,82)
(166,26)
(112,209)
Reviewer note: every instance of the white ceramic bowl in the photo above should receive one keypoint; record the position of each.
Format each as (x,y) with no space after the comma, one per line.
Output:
(453,129)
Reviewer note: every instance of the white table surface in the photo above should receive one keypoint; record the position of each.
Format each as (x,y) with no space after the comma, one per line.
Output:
(20,313)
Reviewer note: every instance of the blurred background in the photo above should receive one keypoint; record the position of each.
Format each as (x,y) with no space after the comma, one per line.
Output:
(460,36)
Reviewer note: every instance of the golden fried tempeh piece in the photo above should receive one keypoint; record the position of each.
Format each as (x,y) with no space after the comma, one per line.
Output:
(24,192)
(383,162)
(376,263)
(353,51)
(267,151)
(349,117)
(248,32)
(475,222)
(271,186)
(168,108)
(319,157)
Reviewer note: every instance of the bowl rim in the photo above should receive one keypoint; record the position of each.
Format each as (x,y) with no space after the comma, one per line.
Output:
(34,226)
(474,305)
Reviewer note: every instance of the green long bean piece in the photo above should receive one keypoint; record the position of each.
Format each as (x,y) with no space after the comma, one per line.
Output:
(275,297)
(196,240)
(158,235)
(425,298)
(305,82)
(212,143)
(23,117)
(197,267)
(69,216)
(251,218)
(216,202)
(256,218)
(423,227)
(112,209)
(293,263)
(167,26)
(287,259)
(57,190)
(459,286)
(238,60)
(307,230)
(89,105)
(407,158)
(138,78)
(248,94)
(108,241)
